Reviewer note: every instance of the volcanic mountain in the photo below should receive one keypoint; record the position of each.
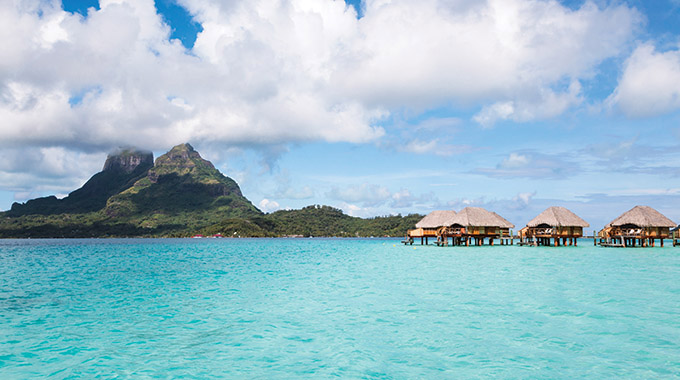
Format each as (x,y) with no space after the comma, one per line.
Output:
(130,184)
(181,181)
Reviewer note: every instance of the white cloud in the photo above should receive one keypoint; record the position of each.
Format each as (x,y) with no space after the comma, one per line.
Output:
(271,72)
(434,52)
(354,210)
(404,199)
(524,198)
(267,205)
(514,161)
(32,172)
(435,147)
(146,90)
(650,84)
(489,115)
(544,105)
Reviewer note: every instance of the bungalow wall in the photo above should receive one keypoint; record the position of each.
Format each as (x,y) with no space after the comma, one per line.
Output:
(423,232)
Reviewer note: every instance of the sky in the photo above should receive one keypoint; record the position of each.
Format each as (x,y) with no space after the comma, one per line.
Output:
(376,107)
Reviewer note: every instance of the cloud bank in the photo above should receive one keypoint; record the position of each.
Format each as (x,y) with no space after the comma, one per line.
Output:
(650,84)
(267,72)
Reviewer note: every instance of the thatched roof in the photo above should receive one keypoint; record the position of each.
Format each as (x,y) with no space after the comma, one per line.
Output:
(558,217)
(479,217)
(642,216)
(436,219)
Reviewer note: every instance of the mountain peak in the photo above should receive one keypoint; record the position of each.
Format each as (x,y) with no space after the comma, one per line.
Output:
(127,160)
(185,148)
(181,181)
(182,160)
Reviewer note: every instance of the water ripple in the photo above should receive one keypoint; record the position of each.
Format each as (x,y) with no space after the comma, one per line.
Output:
(332,308)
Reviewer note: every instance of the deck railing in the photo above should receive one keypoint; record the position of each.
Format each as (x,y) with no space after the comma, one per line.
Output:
(639,233)
(554,231)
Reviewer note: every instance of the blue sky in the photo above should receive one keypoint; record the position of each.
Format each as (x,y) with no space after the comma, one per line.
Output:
(376,107)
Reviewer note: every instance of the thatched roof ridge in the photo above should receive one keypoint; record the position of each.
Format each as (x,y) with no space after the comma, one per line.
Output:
(505,222)
(558,217)
(642,216)
(479,217)
(436,219)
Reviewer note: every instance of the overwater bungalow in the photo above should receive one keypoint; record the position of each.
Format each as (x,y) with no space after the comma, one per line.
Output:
(556,224)
(675,233)
(428,226)
(474,224)
(639,226)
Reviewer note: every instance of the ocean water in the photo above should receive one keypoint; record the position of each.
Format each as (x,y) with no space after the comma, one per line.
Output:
(335,308)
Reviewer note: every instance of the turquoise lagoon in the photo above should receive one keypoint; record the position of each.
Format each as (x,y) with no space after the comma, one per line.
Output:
(345,308)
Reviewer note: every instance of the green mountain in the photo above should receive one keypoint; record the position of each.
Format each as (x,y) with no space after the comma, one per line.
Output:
(181,181)
(179,195)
